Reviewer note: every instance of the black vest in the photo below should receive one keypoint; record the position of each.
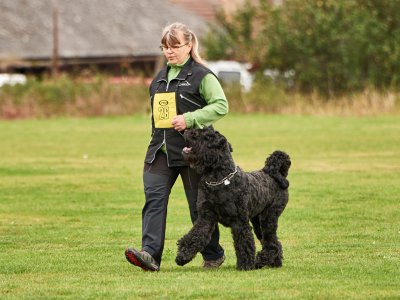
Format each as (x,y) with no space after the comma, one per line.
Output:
(186,86)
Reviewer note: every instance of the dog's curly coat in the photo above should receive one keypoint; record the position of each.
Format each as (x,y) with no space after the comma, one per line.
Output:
(233,197)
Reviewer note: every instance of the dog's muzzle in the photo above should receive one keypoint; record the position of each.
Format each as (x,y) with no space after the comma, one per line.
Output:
(187,150)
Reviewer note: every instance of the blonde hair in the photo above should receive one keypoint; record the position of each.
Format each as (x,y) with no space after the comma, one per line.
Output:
(170,37)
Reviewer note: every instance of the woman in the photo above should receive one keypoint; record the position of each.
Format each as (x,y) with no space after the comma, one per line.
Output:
(185,94)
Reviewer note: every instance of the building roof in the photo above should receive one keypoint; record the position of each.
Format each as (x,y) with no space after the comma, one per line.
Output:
(208,8)
(88,28)
(204,8)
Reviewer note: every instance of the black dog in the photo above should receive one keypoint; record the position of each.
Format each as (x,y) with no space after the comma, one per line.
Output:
(233,197)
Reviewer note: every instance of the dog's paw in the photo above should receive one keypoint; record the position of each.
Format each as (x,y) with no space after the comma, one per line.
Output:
(180,260)
(259,264)
(271,260)
(245,267)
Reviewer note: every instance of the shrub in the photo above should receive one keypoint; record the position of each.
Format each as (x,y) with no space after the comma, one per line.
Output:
(67,96)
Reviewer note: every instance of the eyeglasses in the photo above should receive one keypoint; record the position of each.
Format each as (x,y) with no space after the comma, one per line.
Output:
(173,48)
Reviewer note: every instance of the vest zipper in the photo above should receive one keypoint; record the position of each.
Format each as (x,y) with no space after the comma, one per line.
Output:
(187,99)
(166,149)
(159,81)
(164,141)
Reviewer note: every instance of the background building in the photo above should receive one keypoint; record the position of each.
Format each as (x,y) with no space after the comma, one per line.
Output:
(69,35)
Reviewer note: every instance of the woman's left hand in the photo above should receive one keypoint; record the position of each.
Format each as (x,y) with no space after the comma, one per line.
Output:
(179,123)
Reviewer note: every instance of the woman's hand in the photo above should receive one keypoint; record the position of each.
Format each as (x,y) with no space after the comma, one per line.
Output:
(178,122)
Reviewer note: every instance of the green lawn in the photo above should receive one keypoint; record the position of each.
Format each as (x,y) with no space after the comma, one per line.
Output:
(71,197)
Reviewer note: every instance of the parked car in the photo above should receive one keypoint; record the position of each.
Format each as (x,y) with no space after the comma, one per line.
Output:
(12,79)
(231,72)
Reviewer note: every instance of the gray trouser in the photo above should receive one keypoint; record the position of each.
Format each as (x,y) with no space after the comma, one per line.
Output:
(158,181)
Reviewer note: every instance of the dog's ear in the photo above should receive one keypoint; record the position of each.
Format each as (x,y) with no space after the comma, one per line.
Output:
(230,147)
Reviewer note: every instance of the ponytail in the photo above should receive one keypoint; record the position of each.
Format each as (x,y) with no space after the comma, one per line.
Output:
(195,49)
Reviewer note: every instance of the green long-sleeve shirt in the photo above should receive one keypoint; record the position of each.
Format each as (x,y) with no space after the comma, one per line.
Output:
(212,92)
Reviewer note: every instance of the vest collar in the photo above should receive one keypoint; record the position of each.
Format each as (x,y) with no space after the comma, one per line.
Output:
(183,74)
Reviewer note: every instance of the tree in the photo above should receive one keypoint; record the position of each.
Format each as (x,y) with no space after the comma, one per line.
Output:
(232,36)
(333,46)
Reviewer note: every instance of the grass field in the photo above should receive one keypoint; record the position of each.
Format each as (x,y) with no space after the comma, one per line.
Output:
(71,197)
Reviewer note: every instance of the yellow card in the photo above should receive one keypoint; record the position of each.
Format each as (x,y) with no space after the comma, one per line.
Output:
(164,109)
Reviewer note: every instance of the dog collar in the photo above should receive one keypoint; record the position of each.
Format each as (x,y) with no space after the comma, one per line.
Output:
(224,180)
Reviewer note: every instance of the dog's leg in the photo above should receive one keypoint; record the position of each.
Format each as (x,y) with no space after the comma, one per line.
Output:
(194,241)
(256,227)
(244,246)
(271,254)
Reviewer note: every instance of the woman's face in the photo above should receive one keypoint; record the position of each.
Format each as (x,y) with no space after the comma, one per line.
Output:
(177,54)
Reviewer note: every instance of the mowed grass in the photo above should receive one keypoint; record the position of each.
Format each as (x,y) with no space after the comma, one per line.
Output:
(71,197)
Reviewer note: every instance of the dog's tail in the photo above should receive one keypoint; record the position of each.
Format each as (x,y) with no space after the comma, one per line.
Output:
(277,166)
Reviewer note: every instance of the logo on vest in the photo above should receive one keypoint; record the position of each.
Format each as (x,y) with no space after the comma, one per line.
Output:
(184,83)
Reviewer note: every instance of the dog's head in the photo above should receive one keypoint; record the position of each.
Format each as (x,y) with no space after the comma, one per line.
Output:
(205,149)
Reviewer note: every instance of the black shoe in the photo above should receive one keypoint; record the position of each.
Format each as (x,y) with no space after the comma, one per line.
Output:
(141,259)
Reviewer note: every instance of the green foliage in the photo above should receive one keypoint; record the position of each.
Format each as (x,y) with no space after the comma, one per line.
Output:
(71,195)
(232,36)
(267,96)
(66,96)
(333,46)
(71,96)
